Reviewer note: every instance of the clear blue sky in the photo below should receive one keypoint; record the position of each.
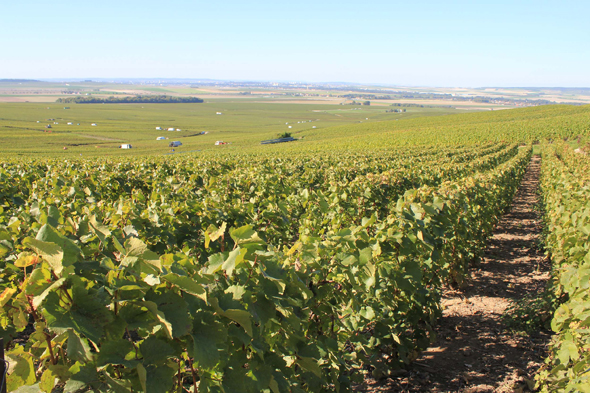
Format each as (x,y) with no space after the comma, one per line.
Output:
(428,43)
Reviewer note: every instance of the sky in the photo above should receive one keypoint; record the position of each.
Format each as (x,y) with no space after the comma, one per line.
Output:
(451,43)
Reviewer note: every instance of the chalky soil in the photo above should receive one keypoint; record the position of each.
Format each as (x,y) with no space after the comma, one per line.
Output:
(475,351)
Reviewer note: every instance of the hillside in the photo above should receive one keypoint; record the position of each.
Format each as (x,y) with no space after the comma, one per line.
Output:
(306,266)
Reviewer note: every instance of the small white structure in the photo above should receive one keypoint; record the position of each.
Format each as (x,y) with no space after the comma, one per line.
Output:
(126,146)
(93,124)
(219,113)
(178,129)
(69,123)
(160,138)
(286,123)
(171,129)
(55,122)
(38,121)
(313,127)
(290,126)
(175,144)
(159,128)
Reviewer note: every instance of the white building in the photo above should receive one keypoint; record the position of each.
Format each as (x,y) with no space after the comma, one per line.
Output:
(125,146)
(159,128)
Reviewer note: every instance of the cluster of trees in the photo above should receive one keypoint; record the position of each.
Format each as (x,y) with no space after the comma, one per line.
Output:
(396,110)
(360,103)
(163,99)
(366,96)
(409,105)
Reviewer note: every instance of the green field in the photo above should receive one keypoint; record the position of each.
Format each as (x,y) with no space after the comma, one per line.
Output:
(242,124)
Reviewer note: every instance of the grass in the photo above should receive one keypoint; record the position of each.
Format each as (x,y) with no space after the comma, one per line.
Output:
(531,313)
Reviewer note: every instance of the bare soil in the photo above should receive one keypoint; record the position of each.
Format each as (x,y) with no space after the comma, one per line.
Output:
(475,351)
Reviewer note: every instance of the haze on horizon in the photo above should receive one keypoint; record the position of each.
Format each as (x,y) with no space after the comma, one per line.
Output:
(446,44)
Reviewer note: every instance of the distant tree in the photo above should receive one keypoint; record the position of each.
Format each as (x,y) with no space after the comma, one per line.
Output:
(285,135)
(130,100)
(366,102)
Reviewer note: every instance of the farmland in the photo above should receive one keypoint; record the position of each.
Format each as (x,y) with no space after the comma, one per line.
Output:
(241,123)
(299,267)
(286,92)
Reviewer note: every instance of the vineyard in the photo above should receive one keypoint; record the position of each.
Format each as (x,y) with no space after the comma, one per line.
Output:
(298,269)
(566,187)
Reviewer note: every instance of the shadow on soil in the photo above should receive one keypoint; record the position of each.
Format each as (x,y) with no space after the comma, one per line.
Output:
(474,350)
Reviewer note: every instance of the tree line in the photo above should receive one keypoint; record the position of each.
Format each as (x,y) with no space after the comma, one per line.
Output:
(160,99)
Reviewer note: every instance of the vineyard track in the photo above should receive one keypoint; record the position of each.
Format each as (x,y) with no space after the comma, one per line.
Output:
(474,351)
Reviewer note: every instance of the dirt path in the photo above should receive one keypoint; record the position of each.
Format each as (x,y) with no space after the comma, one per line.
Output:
(475,352)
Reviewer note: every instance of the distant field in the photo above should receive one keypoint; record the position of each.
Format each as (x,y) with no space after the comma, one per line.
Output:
(242,124)
(250,114)
(456,97)
(157,89)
